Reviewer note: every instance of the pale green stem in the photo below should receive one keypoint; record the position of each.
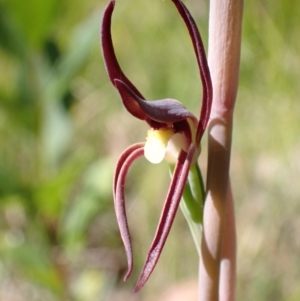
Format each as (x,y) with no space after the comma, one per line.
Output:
(217,261)
(192,203)
(228,263)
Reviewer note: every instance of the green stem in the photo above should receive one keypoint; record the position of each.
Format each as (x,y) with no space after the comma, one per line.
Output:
(192,203)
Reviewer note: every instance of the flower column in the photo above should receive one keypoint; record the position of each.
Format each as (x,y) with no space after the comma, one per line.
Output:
(217,265)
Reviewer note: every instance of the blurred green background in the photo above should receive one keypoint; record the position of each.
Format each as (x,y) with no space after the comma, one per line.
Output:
(62,128)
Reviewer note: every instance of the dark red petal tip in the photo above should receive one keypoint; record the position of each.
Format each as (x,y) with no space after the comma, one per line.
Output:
(164,110)
(112,66)
(202,64)
(168,214)
(123,165)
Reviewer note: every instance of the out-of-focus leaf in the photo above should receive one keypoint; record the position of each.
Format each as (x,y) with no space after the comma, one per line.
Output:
(33,18)
(94,197)
(73,59)
(57,126)
(57,132)
(51,193)
(10,39)
(34,263)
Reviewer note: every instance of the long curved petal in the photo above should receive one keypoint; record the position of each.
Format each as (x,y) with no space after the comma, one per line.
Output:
(131,154)
(164,110)
(168,214)
(126,153)
(112,66)
(203,67)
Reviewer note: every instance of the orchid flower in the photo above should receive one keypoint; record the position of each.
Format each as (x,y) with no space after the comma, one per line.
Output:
(174,135)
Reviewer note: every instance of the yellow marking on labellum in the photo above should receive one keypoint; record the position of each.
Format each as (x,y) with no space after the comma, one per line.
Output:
(156,144)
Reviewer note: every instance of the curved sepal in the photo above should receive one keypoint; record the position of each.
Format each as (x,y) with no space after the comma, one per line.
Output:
(112,66)
(164,110)
(168,214)
(123,165)
(203,67)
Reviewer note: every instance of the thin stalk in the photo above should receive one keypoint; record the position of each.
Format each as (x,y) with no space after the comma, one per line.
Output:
(192,204)
(217,261)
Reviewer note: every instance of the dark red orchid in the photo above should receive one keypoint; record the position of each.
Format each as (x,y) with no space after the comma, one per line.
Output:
(174,133)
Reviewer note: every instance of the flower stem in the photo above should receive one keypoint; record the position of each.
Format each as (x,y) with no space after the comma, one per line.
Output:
(217,261)
(192,203)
